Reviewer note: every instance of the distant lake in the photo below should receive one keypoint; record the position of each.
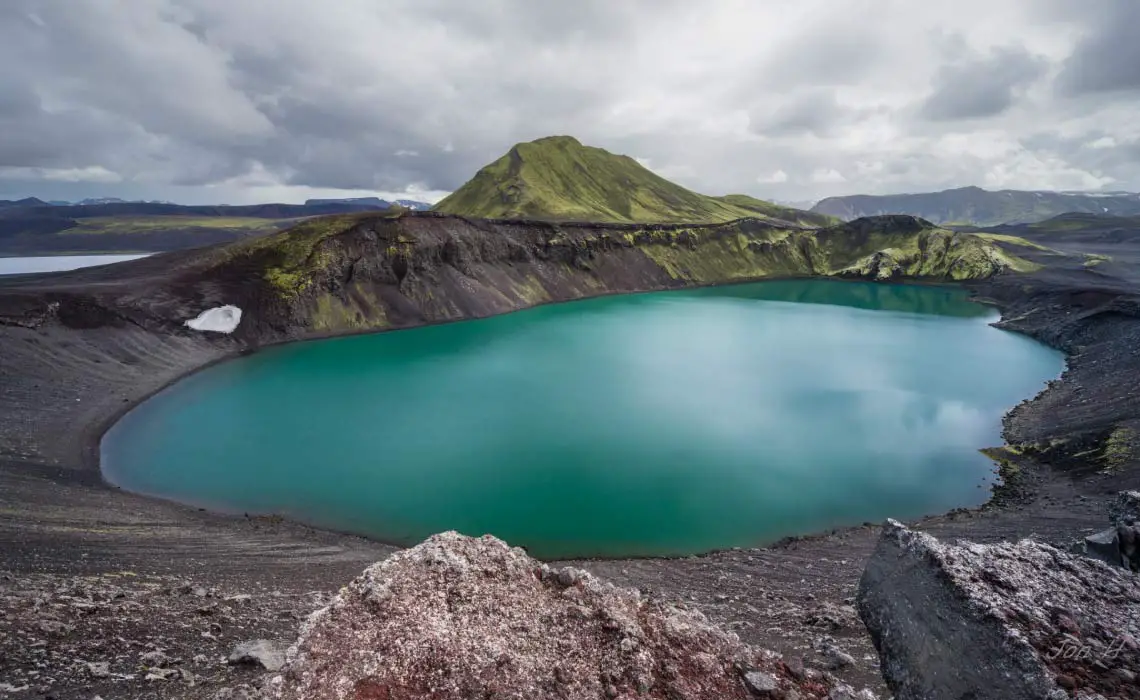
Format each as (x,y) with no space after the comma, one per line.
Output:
(58,263)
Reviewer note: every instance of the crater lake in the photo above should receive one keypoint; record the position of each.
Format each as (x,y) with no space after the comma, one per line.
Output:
(665,423)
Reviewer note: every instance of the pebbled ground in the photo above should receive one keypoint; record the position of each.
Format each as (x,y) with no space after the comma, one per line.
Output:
(67,538)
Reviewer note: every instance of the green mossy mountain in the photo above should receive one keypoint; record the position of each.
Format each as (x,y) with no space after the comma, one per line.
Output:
(978,207)
(558,179)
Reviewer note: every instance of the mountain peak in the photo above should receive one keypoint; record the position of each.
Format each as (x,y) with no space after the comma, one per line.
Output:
(25,202)
(546,144)
(557,140)
(558,178)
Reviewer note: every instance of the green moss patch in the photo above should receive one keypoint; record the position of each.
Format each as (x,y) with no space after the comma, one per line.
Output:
(332,313)
(1118,448)
(161,224)
(1013,240)
(290,259)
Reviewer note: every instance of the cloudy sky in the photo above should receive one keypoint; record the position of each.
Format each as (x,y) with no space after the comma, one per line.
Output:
(209,101)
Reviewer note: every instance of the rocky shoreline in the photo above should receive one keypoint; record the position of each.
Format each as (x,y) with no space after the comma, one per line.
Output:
(72,540)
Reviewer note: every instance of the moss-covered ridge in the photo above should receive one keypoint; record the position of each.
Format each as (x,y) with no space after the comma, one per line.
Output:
(345,274)
(559,179)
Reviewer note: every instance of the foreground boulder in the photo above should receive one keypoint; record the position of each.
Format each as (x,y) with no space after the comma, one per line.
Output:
(458,617)
(1017,621)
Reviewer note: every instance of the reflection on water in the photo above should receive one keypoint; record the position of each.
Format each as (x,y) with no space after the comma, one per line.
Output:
(650,424)
(914,299)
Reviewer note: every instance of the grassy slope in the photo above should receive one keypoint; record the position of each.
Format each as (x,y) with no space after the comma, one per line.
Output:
(776,211)
(1011,240)
(876,250)
(1086,222)
(557,178)
(158,224)
(129,232)
(289,259)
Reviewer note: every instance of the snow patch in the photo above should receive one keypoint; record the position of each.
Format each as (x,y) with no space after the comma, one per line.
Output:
(220,319)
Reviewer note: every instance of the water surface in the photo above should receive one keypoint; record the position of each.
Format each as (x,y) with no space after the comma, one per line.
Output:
(58,263)
(664,423)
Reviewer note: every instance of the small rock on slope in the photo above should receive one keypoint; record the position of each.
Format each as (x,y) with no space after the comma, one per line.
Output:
(261,652)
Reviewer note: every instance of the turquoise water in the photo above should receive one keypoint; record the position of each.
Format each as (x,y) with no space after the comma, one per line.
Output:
(652,424)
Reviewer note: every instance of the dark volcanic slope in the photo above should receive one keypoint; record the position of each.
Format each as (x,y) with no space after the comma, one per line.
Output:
(1085,303)
(79,347)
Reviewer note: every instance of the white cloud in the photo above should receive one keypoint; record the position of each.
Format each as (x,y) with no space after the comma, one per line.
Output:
(222,100)
(91,173)
(254,194)
(827,176)
(1029,172)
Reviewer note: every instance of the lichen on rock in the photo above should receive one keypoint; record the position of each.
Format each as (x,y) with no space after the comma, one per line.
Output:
(460,617)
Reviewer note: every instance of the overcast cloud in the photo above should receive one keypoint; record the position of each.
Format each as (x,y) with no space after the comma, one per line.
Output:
(224,101)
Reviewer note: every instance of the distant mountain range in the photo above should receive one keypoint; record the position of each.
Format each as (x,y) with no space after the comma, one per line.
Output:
(25,202)
(805,204)
(557,178)
(357,202)
(31,226)
(112,200)
(37,202)
(372,201)
(369,201)
(973,205)
(413,204)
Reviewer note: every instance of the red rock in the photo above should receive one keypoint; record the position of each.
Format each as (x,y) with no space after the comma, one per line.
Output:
(458,617)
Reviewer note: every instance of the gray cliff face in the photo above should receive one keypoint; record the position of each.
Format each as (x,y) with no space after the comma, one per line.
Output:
(1010,620)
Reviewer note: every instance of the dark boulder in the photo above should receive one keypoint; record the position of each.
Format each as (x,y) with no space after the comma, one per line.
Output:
(1017,621)
(1105,546)
(1119,544)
